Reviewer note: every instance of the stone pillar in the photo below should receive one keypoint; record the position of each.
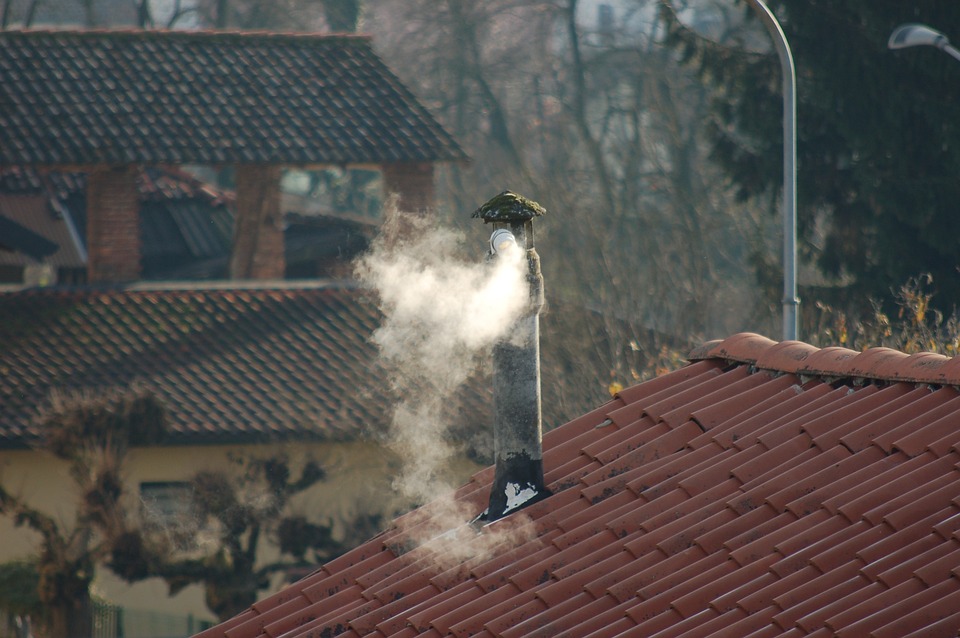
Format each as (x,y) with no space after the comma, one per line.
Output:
(113,225)
(258,230)
(412,182)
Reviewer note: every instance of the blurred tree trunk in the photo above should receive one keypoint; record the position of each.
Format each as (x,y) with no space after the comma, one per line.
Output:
(343,16)
(578,106)
(70,606)
(220,16)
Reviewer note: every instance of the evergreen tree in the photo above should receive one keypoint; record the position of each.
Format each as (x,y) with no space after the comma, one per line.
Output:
(878,137)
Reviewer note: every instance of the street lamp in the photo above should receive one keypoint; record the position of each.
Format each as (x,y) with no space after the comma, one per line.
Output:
(790,300)
(914,35)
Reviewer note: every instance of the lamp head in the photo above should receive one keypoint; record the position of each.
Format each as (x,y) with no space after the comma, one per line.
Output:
(502,241)
(912,35)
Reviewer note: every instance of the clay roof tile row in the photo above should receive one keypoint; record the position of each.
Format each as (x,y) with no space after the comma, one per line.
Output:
(76,97)
(229,363)
(763,490)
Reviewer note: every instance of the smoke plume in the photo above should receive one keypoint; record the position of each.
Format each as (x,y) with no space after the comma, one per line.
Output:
(442,314)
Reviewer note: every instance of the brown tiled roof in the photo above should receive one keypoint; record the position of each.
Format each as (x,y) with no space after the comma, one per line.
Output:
(230,363)
(137,96)
(765,489)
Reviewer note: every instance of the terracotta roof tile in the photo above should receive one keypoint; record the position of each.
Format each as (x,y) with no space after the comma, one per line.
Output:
(877,611)
(205,97)
(794,404)
(597,617)
(725,501)
(938,618)
(754,401)
(550,622)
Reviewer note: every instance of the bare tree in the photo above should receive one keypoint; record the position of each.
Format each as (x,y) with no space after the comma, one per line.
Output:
(91,433)
(645,245)
(10,14)
(219,542)
(280,15)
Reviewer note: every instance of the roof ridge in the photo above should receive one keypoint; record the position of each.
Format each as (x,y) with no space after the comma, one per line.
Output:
(219,97)
(797,357)
(222,285)
(189,33)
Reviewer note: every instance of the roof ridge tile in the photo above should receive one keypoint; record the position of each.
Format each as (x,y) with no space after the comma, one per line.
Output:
(877,363)
(786,356)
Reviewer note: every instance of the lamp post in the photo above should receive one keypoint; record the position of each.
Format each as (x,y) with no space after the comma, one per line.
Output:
(791,302)
(914,35)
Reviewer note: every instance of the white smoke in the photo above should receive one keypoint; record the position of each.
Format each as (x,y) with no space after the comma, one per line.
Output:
(442,314)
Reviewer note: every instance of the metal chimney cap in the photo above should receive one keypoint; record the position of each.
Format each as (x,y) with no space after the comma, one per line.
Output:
(508,207)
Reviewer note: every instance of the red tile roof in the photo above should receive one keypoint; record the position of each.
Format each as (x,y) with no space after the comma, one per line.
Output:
(765,489)
(230,362)
(150,96)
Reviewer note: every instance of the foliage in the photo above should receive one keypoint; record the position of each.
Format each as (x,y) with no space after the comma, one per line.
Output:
(878,135)
(916,327)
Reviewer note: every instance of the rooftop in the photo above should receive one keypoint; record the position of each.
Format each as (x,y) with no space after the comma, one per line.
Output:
(232,362)
(93,97)
(764,489)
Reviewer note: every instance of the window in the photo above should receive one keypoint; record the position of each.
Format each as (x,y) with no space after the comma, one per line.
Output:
(165,507)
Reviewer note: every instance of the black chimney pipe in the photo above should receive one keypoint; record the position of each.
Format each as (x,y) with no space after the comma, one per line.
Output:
(518,480)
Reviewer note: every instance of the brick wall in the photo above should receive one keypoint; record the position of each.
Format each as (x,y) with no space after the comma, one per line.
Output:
(258,229)
(113,225)
(412,182)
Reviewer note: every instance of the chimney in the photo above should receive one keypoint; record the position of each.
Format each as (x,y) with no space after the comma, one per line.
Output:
(258,242)
(518,480)
(113,225)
